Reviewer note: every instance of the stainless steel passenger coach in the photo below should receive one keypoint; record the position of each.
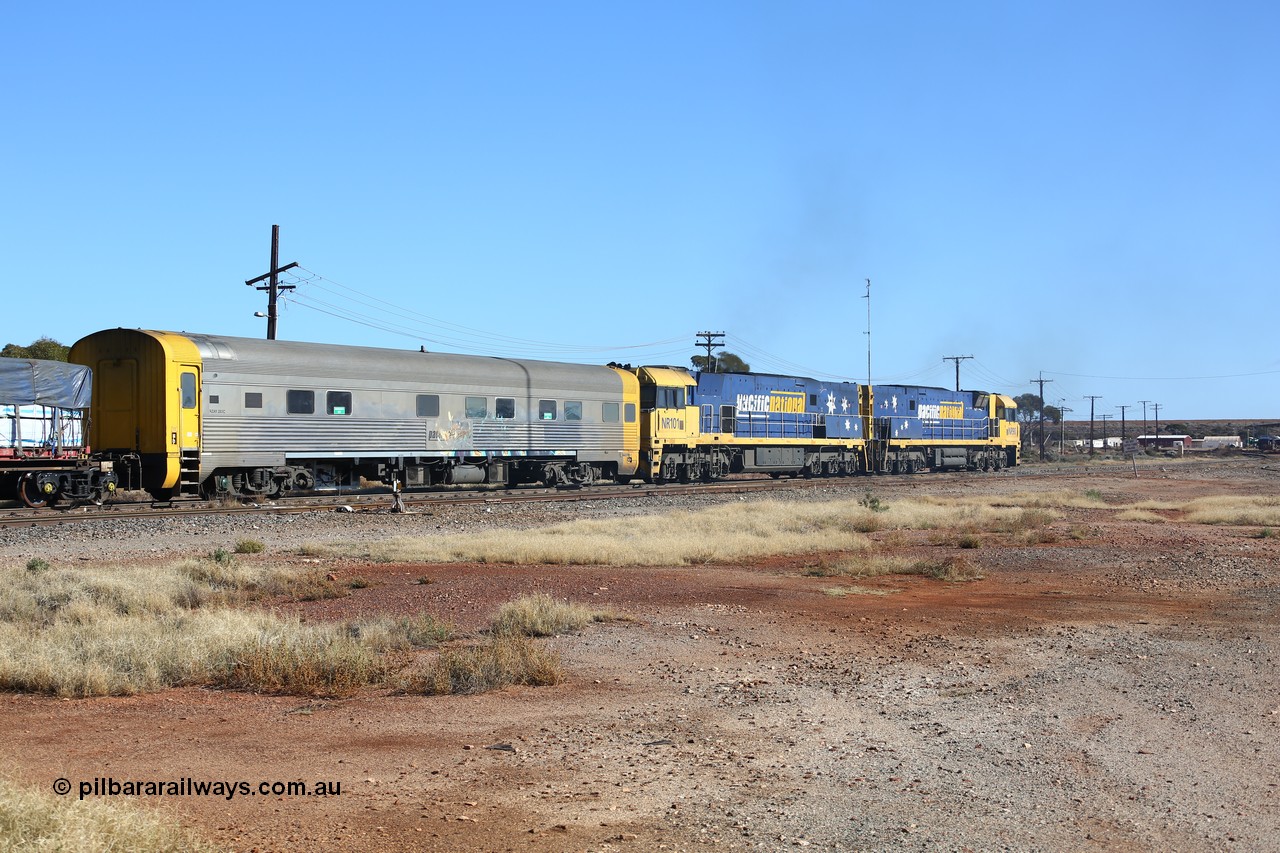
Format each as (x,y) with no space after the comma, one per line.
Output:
(192,413)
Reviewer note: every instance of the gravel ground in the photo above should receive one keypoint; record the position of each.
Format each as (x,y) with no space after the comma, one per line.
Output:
(1114,689)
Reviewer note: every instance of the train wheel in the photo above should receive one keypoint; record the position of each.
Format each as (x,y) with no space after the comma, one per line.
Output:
(30,494)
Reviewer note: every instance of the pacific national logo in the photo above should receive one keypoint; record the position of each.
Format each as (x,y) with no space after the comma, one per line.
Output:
(790,402)
(942,411)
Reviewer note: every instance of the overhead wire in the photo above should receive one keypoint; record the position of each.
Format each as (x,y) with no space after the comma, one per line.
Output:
(513,343)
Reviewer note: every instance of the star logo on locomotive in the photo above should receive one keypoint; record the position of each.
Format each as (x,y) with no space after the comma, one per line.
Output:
(831,404)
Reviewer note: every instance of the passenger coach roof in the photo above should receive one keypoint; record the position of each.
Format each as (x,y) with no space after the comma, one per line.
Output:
(295,358)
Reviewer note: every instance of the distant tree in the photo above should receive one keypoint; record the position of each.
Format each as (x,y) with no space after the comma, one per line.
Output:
(1176,429)
(43,348)
(1053,413)
(725,362)
(1028,407)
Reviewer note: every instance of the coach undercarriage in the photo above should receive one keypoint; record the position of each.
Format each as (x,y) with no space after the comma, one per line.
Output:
(327,475)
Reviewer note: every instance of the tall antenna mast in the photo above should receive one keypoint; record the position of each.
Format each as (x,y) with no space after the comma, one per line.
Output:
(868,298)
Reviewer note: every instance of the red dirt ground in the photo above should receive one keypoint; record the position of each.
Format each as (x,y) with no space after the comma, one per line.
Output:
(747,707)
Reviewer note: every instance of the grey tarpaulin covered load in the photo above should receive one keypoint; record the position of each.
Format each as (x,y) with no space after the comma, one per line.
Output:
(30,381)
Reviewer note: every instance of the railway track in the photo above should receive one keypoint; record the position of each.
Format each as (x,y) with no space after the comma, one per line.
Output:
(383,501)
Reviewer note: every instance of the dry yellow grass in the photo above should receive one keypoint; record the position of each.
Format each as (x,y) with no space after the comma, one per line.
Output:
(540,615)
(718,534)
(36,821)
(1250,510)
(501,661)
(123,629)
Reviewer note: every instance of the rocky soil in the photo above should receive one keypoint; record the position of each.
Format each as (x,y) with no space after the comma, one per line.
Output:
(1112,689)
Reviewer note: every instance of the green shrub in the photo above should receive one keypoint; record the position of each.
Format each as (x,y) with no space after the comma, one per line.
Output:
(249,546)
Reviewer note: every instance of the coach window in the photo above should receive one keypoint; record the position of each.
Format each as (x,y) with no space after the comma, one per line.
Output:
(188,387)
(428,405)
(573,410)
(300,402)
(338,402)
(477,407)
(631,413)
(253,399)
(546,410)
(610,413)
(504,407)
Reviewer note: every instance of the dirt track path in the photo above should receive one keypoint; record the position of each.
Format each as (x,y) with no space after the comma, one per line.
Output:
(1113,691)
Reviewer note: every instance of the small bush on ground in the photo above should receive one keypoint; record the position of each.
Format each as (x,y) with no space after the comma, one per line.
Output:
(249,546)
(500,661)
(540,615)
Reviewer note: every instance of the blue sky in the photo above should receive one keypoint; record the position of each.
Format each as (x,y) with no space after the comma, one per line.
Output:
(1091,190)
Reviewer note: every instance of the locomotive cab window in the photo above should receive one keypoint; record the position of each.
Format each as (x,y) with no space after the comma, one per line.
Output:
(573,410)
(477,407)
(338,402)
(187,385)
(428,405)
(504,407)
(253,399)
(300,402)
(546,410)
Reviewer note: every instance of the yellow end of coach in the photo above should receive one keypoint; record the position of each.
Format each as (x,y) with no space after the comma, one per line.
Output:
(146,406)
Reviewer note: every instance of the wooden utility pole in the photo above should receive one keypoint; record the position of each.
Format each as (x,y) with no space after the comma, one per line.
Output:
(1091,399)
(709,341)
(273,287)
(1122,433)
(1041,381)
(957,359)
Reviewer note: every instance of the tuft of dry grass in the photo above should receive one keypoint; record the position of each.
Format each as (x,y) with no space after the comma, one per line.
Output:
(36,821)
(1244,510)
(540,615)
(502,660)
(957,569)
(301,660)
(249,546)
(953,569)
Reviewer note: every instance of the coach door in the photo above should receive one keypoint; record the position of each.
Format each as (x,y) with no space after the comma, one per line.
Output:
(189,427)
(115,413)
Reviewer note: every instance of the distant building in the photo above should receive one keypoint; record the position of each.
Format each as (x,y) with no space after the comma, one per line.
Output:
(1165,441)
(1213,442)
